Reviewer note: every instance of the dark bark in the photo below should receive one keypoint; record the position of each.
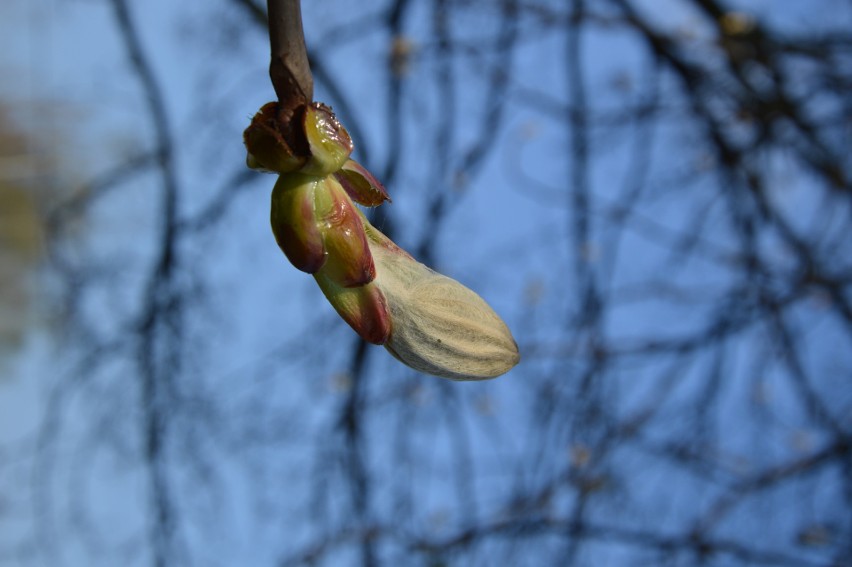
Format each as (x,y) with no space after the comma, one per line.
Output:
(290,73)
(288,68)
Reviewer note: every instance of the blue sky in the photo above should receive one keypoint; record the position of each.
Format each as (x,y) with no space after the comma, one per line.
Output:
(266,357)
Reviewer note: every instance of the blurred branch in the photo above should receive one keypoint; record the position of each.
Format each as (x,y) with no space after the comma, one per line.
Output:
(768,479)
(86,196)
(693,545)
(159,323)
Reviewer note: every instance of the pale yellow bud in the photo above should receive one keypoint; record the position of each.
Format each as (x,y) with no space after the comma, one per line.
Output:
(438,326)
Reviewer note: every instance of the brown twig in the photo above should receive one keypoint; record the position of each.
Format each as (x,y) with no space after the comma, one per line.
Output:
(291,78)
(288,68)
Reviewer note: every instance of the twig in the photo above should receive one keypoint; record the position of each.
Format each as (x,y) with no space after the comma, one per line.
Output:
(288,68)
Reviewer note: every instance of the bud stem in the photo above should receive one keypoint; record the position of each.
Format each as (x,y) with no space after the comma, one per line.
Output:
(289,69)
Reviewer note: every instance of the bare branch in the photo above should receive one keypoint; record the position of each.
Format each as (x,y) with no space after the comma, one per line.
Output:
(288,67)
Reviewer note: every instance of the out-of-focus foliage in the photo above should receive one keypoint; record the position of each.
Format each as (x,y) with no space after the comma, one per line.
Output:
(21,233)
(655,195)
